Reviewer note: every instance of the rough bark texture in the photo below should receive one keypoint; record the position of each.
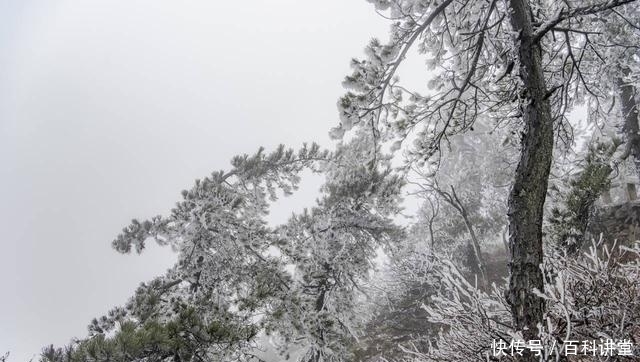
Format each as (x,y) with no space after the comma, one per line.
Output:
(629,106)
(527,197)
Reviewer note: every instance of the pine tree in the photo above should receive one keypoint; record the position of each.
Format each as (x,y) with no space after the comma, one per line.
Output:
(493,59)
(237,277)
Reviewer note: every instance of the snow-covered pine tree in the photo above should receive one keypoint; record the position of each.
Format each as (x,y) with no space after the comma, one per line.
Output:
(224,274)
(184,337)
(439,232)
(237,277)
(471,201)
(492,59)
(332,248)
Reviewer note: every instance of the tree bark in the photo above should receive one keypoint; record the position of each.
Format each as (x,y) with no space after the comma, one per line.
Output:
(526,201)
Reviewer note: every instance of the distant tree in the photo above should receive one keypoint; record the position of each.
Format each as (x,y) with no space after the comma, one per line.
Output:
(471,202)
(396,306)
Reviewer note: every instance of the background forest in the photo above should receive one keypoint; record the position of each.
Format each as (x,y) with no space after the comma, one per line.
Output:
(528,223)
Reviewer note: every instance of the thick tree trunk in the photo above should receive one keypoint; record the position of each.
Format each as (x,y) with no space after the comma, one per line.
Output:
(528,195)
(629,107)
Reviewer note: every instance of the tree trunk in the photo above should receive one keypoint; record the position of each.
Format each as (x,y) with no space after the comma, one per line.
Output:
(606,197)
(629,107)
(475,248)
(632,195)
(474,245)
(529,191)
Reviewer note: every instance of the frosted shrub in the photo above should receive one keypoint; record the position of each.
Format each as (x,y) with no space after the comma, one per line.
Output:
(591,297)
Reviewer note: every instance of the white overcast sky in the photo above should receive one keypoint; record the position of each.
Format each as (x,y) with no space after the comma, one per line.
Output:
(109,108)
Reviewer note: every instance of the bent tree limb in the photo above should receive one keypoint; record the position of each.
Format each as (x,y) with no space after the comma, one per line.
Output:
(453,200)
(528,194)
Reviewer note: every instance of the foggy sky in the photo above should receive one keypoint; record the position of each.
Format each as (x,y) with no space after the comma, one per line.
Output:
(109,109)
